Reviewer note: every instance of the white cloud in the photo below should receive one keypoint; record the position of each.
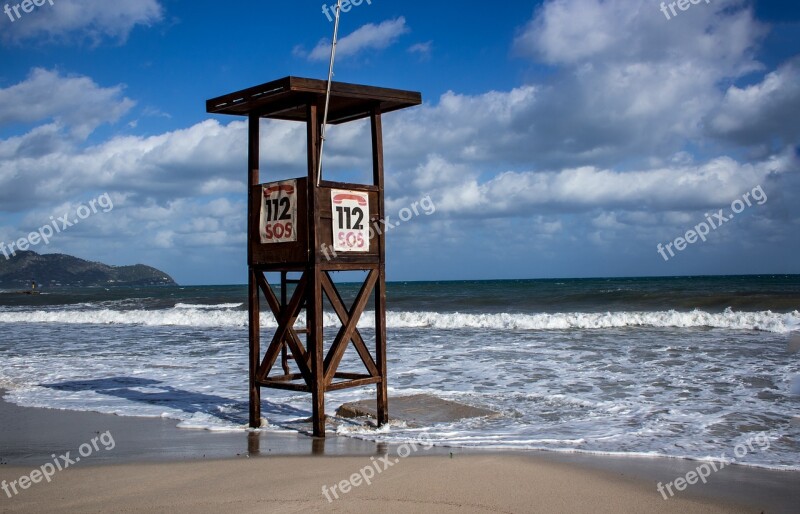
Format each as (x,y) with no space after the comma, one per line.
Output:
(629,84)
(572,32)
(423,50)
(52,163)
(567,31)
(76,102)
(81,20)
(186,163)
(573,190)
(491,127)
(184,230)
(758,113)
(367,37)
(628,88)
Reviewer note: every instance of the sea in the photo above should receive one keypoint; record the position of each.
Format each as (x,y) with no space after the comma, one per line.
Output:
(680,367)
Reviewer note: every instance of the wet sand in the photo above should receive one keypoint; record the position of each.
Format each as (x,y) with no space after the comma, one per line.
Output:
(155,466)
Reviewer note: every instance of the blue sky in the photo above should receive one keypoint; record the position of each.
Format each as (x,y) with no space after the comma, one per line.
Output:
(564,138)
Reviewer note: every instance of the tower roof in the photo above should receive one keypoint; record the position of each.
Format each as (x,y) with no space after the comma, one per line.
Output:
(287,98)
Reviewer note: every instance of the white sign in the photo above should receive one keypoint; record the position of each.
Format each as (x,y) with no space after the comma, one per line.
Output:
(350,211)
(279,212)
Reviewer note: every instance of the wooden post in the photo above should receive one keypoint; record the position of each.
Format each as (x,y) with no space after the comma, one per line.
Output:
(380,287)
(253,156)
(314,313)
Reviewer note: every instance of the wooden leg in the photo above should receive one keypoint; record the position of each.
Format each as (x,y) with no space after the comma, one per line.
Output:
(315,319)
(380,344)
(255,350)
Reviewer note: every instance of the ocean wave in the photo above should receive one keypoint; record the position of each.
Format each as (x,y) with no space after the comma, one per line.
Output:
(764,321)
(155,318)
(209,307)
(224,315)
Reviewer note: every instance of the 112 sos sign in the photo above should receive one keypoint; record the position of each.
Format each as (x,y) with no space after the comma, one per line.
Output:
(279,212)
(350,212)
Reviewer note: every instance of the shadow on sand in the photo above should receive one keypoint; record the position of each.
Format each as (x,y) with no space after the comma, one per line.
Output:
(155,392)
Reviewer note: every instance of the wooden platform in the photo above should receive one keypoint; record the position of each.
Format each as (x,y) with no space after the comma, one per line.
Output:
(417,410)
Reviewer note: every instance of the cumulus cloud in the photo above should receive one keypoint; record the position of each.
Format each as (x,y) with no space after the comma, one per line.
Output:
(51,161)
(629,83)
(177,195)
(367,37)
(757,114)
(76,102)
(180,164)
(80,20)
(575,32)
(572,190)
(627,87)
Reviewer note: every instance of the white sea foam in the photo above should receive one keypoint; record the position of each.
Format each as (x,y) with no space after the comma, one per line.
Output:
(166,317)
(209,307)
(228,315)
(660,382)
(651,391)
(765,321)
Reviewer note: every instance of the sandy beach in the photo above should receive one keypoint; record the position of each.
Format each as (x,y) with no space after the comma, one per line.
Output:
(153,466)
(472,483)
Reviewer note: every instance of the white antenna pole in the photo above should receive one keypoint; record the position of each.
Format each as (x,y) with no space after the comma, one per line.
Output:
(328,93)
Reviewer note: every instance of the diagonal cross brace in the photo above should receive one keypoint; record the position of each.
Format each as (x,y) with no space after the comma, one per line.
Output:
(295,345)
(349,331)
(285,333)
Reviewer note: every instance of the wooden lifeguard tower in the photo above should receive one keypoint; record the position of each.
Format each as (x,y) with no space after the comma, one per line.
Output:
(314,227)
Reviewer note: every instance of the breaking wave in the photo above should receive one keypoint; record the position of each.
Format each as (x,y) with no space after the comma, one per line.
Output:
(229,315)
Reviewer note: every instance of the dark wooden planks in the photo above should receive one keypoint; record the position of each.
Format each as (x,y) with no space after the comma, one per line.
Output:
(376,125)
(254,325)
(288,97)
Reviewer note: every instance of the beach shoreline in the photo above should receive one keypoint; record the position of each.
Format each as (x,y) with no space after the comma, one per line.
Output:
(151,450)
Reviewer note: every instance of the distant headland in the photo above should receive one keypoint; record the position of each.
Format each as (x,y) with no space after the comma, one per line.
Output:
(24,269)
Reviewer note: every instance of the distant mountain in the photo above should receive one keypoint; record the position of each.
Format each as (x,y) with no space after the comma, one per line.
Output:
(64,270)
